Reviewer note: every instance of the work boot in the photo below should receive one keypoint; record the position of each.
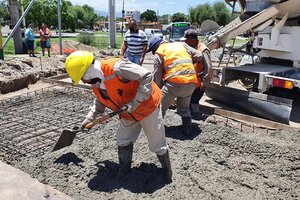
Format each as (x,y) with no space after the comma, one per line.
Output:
(194,109)
(166,166)
(125,159)
(186,125)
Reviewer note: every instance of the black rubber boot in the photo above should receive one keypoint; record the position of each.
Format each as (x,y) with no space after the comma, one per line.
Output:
(166,165)
(186,125)
(125,159)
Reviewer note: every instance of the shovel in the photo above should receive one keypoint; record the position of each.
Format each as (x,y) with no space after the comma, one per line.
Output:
(68,135)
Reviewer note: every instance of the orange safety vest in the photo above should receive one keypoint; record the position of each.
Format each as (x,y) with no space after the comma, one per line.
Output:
(199,66)
(122,91)
(178,64)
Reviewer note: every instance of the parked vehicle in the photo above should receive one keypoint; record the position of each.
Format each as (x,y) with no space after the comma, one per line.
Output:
(86,31)
(275,37)
(151,31)
(175,30)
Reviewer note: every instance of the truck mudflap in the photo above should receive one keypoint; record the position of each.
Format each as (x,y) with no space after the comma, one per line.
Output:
(266,106)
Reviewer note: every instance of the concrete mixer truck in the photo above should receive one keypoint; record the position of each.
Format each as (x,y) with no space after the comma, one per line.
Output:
(273,27)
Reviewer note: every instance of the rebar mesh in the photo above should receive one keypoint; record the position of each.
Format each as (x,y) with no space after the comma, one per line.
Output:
(31,123)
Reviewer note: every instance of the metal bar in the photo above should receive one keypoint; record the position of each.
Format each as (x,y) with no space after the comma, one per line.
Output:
(246,118)
(1,47)
(18,23)
(63,83)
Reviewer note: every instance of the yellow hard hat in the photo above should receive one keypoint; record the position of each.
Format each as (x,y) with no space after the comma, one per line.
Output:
(77,64)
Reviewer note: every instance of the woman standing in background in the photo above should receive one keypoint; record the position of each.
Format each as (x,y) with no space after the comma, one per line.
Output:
(45,39)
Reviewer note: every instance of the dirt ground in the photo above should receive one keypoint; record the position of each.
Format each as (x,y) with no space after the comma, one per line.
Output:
(216,162)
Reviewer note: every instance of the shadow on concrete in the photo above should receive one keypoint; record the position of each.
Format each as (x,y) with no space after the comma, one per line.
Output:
(68,158)
(176,132)
(146,178)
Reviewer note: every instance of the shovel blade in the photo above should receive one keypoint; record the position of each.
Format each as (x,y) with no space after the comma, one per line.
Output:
(65,139)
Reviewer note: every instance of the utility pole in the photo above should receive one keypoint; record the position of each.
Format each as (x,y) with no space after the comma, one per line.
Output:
(123,14)
(1,48)
(112,23)
(14,17)
(59,27)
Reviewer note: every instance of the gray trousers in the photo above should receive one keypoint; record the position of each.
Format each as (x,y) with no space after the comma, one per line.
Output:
(182,92)
(153,127)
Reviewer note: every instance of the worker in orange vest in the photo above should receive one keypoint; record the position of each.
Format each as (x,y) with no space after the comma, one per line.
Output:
(117,83)
(175,74)
(202,68)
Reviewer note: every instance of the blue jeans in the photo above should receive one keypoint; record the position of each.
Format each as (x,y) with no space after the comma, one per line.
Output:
(135,58)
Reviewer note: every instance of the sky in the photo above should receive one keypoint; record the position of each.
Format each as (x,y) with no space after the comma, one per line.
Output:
(160,6)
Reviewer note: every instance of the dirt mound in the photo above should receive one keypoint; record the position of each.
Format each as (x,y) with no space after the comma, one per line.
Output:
(70,45)
(19,71)
(216,162)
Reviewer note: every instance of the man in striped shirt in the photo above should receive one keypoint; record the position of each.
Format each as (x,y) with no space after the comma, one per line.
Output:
(135,44)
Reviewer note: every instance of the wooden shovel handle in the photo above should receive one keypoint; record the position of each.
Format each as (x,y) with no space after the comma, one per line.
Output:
(105,117)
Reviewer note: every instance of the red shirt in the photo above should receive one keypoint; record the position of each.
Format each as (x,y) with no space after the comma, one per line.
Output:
(43,33)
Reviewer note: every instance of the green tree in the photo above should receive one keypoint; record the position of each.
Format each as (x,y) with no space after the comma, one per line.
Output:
(42,11)
(218,12)
(90,16)
(73,17)
(164,19)
(179,17)
(4,13)
(201,13)
(149,16)
(223,15)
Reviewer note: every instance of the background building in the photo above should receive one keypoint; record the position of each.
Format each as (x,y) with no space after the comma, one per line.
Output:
(133,15)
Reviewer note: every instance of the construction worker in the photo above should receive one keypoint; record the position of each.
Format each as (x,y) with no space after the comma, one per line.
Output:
(174,73)
(202,68)
(117,83)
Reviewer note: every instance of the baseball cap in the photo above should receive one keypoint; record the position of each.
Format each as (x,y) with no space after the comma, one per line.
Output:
(189,32)
(154,43)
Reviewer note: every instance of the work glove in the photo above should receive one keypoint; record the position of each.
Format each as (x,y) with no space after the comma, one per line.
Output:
(85,122)
(132,105)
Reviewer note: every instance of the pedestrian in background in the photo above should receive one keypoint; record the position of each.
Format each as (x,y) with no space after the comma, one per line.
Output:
(116,83)
(175,74)
(45,42)
(29,40)
(202,68)
(135,43)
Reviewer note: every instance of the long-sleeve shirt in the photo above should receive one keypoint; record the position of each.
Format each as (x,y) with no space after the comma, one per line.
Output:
(159,64)
(131,72)
(206,61)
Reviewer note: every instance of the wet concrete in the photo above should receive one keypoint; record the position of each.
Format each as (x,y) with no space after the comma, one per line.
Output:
(216,162)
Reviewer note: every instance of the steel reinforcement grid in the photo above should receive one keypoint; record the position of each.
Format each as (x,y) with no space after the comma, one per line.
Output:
(30,124)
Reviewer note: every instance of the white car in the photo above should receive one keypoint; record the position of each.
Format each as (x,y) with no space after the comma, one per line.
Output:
(151,31)
(86,31)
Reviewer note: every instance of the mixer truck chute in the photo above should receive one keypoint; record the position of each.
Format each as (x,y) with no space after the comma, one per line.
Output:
(274,29)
